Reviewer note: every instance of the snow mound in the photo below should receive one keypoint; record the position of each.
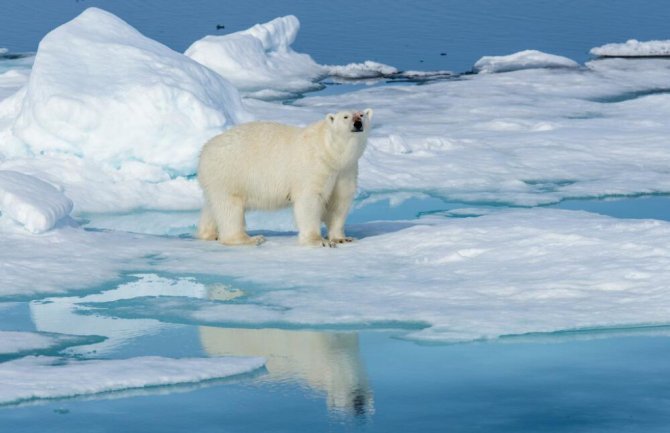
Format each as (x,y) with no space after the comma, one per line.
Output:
(260,59)
(633,48)
(33,378)
(528,59)
(102,91)
(32,202)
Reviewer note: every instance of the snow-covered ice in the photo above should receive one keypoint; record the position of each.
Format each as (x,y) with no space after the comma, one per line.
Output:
(528,59)
(555,270)
(33,378)
(32,202)
(634,48)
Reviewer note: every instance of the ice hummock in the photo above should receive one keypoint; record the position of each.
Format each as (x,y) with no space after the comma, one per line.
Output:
(260,59)
(33,378)
(101,91)
(527,59)
(36,204)
(261,63)
(634,48)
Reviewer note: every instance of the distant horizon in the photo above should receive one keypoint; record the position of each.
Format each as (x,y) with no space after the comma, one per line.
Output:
(424,35)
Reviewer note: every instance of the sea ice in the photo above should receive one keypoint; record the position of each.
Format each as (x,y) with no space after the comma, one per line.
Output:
(633,48)
(528,59)
(34,378)
(555,270)
(32,202)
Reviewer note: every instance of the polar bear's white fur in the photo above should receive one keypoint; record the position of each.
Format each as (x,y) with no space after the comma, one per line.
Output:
(266,165)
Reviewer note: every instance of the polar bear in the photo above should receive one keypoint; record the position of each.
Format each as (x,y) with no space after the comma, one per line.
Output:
(267,166)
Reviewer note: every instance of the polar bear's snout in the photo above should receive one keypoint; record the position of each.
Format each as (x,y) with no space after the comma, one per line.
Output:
(358,122)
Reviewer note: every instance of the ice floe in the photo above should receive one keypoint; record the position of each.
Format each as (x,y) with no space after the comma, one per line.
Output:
(528,59)
(36,204)
(34,378)
(554,270)
(634,48)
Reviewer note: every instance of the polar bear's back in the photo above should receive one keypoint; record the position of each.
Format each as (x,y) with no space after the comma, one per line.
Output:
(258,160)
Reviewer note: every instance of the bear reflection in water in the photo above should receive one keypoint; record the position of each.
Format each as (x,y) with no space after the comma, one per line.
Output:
(325,361)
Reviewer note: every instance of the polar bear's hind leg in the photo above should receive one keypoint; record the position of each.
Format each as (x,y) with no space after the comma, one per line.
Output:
(229,214)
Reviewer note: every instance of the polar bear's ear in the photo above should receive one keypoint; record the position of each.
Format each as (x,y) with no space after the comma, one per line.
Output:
(331,117)
(368,113)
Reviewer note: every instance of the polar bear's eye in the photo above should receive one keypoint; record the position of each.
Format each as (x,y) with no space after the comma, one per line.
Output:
(346,117)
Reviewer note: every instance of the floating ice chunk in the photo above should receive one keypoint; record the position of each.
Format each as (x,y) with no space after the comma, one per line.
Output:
(33,378)
(32,202)
(102,91)
(528,59)
(367,69)
(634,48)
(260,59)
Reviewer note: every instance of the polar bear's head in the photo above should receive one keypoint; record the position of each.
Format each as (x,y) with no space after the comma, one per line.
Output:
(352,122)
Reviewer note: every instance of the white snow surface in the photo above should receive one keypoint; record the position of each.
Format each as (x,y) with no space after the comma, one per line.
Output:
(101,91)
(33,378)
(554,270)
(32,202)
(527,59)
(633,48)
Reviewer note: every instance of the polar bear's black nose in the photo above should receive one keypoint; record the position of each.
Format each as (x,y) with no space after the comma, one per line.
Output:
(358,125)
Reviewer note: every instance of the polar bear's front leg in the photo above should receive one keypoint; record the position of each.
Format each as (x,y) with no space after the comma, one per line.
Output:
(308,209)
(228,211)
(338,206)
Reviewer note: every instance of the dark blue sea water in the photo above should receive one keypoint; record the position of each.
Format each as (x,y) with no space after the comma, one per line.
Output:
(421,34)
(374,381)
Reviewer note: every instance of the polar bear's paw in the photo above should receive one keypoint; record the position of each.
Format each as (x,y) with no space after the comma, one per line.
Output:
(243,240)
(317,242)
(344,240)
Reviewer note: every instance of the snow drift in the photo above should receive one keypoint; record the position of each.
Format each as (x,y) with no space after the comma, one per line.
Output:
(32,202)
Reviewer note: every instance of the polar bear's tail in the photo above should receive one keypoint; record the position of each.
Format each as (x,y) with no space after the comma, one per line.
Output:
(207,226)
